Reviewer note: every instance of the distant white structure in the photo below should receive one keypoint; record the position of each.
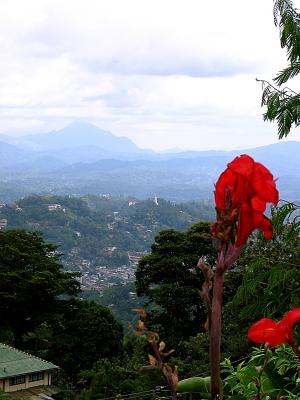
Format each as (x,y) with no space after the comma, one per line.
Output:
(52,207)
(3,223)
(156,200)
(135,257)
(16,207)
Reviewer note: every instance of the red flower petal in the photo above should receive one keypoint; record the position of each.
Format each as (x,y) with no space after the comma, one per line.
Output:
(242,191)
(224,187)
(243,165)
(245,224)
(258,330)
(276,336)
(268,331)
(263,223)
(264,184)
(292,316)
(258,204)
(275,333)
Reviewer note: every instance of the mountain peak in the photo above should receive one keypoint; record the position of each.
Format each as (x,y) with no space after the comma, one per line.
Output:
(83,126)
(81,134)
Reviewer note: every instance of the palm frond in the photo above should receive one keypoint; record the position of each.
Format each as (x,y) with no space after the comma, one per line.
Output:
(288,20)
(287,73)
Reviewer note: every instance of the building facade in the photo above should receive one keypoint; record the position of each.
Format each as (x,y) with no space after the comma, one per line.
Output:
(20,370)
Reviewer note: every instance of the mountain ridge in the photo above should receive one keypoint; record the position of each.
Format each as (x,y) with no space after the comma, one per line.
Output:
(83,135)
(88,169)
(74,135)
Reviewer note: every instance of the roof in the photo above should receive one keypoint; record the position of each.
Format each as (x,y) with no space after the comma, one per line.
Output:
(15,362)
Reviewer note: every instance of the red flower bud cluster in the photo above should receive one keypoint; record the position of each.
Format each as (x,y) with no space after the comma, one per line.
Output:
(241,195)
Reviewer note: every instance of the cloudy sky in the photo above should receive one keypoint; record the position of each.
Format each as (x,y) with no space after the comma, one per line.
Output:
(165,73)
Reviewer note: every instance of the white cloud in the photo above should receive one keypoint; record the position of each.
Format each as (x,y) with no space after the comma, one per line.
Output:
(165,73)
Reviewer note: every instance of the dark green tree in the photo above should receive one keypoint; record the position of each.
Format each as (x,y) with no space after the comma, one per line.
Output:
(87,333)
(283,103)
(170,279)
(32,282)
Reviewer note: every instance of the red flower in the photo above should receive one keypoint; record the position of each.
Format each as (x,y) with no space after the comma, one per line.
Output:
(241,194)
(274,333)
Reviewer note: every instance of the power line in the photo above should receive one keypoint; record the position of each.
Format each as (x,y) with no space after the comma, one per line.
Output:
(140,394)
(162,389)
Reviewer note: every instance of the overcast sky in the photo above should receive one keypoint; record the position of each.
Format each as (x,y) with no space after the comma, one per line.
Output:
(165,73)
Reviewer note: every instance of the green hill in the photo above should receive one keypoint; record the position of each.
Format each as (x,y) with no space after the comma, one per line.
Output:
(99,230)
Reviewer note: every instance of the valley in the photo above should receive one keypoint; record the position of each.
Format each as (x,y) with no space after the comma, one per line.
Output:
(102,237)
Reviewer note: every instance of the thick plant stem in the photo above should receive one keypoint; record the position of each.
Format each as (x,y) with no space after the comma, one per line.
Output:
(172,389)
(215,335)
(165,371)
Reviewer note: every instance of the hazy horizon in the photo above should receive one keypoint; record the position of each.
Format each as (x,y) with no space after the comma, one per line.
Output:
(164,74)
(19,135)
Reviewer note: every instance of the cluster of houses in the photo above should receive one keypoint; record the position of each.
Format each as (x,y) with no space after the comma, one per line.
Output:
(104,277)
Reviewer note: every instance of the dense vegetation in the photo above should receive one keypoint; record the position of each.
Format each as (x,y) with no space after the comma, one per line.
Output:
(87,342)
(120,299)
(40,312)
(170,279)
(43,311)
(86,228)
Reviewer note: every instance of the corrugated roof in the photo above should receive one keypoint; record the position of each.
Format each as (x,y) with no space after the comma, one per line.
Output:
(15,362)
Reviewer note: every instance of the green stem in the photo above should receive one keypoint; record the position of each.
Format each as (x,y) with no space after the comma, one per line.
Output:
(258,382)
(215,335)
(295,348)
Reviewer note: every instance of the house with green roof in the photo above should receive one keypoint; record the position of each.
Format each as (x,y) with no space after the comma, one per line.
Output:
(20,370)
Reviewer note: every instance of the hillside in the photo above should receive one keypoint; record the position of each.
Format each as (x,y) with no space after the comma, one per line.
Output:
(97,231)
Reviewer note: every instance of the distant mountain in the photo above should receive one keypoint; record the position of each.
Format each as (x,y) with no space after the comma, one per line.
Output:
(15,159)
(178,179)
(9,153)
(83,159)
(76,135)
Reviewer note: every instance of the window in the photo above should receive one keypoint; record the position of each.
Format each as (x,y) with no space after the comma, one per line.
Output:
(37,376)
(17,380)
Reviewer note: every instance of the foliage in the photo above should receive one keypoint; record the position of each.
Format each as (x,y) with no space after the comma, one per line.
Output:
(121,375)
(87,333)
(283,103)
(191,356)
(273,372)
(271,270)
(31,282)
(39,312)
(85,228)
(169,277)
(120,299)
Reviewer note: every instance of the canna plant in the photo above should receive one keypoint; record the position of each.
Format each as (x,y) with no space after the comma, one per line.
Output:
(241,195)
